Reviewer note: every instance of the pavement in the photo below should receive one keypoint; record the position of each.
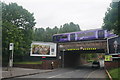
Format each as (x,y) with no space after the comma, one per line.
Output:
(24,72)
(18,72)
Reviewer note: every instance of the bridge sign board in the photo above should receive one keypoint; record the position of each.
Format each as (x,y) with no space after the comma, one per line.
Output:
(43,49)
(108,57)
(113,45)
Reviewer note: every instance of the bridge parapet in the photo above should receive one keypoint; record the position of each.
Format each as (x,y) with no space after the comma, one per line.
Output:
(98,44)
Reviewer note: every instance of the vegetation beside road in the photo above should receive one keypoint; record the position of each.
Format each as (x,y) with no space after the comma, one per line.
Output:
(18,26)
(37,62)
(90,60)
(115,73)
(111,20)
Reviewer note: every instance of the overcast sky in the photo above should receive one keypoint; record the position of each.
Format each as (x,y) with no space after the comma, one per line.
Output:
(88,14)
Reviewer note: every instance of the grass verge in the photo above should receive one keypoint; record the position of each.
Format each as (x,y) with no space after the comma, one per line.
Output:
(115,73)
(37,62)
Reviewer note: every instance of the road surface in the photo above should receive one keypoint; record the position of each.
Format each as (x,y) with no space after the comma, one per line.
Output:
(80,72)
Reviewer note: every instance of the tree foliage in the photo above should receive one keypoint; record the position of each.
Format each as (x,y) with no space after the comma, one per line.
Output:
(42,34)
(112,19)
(17,27)
(71,27)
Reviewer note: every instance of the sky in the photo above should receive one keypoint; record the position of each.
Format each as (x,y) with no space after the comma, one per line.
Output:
(88,14)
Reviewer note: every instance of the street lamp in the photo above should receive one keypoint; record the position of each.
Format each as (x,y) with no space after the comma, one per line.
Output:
(63,59)
(61,46)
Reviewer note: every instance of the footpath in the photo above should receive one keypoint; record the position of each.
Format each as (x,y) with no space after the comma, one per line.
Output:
(18,72)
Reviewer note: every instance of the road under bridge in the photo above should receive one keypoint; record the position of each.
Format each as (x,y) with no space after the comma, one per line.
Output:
(71,53)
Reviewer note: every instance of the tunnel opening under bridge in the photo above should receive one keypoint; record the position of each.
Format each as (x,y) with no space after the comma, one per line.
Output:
(75,58)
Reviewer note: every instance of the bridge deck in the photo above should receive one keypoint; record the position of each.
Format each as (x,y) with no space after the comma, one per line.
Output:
(83,45)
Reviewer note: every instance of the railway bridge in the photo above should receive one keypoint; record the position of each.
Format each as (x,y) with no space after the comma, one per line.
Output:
(70,53)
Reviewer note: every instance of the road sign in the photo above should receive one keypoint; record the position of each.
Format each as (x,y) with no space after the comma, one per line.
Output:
(113,45)
(11,46)
(108,57)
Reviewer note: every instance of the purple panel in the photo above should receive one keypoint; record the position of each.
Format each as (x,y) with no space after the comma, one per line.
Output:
(86,35)
(64,39)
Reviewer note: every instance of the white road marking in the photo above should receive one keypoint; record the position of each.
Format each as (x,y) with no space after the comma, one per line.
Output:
(63,74)
(55,76)
(90,74)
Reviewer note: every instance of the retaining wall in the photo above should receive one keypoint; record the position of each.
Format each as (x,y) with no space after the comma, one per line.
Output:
(109,65)
(46,64)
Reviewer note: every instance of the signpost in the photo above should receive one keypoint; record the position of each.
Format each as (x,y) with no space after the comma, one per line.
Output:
(108,57)
(63,58)
(11,48)
(113,45)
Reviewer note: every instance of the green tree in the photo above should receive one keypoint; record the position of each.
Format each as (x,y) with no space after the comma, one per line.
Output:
(55,30)
(71,27)
(17,27)
(48,34)
(11,34)
(112,19)
(39,34)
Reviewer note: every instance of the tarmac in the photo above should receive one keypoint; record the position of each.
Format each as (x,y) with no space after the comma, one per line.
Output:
(18,72)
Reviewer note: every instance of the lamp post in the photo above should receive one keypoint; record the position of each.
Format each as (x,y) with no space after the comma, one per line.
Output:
(63,59)
(61,46)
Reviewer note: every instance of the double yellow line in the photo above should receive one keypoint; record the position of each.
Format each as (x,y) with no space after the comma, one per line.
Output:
(82,49)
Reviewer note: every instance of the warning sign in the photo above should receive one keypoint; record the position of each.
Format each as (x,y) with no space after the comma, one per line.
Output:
(108,57)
